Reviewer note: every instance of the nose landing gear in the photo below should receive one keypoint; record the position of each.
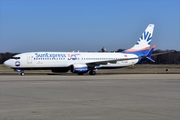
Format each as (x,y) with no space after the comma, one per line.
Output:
(21,71)
(22,74)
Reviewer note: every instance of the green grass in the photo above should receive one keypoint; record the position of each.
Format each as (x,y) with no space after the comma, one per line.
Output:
(2,67)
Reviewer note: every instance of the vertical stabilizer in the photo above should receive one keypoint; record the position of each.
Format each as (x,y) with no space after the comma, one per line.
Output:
(143,44)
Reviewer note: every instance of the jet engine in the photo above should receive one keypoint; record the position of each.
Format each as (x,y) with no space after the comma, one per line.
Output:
(79,68)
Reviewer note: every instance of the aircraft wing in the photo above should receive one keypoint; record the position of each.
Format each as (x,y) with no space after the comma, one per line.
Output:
(105,62)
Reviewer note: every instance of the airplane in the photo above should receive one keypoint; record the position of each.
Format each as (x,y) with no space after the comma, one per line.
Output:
(84,62)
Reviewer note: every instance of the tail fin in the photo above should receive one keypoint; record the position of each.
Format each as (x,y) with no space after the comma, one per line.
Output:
(143,44)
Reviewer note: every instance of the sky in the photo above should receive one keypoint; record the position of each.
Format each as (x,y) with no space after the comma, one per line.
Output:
(86,25)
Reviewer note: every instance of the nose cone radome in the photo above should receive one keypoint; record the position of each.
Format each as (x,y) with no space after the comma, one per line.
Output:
(7,63)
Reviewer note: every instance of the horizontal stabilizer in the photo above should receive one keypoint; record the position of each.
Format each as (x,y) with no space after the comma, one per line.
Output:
(149,58)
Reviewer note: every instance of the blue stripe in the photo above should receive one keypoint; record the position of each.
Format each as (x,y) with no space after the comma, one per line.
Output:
(139,54)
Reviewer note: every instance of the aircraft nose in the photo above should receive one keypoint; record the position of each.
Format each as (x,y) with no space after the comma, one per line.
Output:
(7,63)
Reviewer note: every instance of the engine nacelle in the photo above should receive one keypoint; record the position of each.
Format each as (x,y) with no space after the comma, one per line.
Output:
(79,68)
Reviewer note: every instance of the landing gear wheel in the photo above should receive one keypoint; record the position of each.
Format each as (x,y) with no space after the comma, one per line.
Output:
(22,74)
(92,72)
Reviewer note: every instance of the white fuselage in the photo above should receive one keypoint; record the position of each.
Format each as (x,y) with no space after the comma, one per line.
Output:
(65,59)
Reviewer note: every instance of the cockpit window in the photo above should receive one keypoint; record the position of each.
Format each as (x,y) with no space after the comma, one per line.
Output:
(15,58)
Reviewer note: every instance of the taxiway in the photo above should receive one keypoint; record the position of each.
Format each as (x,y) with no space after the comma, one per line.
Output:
(101,97)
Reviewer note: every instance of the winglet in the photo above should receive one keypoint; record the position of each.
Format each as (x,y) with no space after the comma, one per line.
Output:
(148,56)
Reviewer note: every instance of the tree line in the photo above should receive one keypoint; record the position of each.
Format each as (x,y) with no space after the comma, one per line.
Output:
(168,58)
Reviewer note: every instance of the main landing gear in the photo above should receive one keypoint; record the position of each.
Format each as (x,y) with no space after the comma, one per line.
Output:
(92,72)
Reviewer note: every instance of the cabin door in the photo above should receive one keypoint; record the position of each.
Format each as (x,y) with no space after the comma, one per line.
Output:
(29,59)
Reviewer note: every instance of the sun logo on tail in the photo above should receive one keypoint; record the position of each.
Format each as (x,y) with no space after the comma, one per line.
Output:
(145,38)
